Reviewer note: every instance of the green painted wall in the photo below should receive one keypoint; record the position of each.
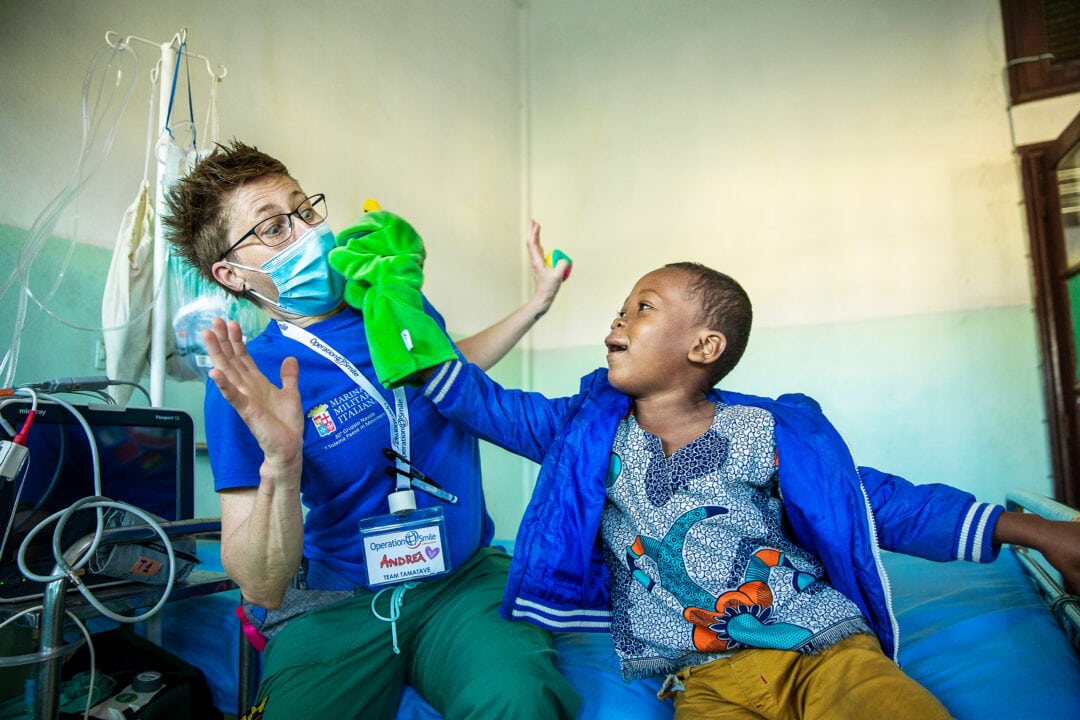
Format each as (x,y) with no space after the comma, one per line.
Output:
(949,397)
(49,347)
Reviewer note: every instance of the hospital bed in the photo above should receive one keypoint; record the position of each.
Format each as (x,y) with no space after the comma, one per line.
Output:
(997,640)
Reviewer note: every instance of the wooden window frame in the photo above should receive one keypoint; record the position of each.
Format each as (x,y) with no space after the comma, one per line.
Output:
(1056,338)
(1032,75)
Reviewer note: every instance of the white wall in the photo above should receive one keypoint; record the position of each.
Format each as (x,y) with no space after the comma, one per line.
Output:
(845,160)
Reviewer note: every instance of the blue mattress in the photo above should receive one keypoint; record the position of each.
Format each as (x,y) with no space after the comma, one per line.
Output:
(978,636)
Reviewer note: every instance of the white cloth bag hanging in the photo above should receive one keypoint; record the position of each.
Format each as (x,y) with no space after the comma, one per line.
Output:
(128,296)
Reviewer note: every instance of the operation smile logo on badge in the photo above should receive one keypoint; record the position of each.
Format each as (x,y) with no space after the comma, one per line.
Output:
(401,548)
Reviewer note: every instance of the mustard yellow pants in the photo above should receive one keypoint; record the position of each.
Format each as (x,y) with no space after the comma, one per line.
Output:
(853,679)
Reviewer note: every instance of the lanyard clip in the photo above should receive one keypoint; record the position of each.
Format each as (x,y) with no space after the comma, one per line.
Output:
(417,479)
(392,454)
(422,482)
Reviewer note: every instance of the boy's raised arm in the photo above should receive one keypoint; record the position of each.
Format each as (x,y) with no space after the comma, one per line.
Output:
(488,346)
(1057,540)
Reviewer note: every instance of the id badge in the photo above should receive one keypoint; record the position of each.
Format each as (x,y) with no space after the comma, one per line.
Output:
(399,548)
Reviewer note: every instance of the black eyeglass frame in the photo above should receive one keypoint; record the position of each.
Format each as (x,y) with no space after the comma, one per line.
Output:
(310,200)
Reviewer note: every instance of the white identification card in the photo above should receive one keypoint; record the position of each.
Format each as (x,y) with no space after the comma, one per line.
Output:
(399,548)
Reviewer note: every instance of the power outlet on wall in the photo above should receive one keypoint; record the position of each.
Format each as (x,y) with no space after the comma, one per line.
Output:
(99,354)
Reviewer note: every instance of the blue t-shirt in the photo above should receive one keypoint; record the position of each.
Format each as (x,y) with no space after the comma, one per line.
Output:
(344,476)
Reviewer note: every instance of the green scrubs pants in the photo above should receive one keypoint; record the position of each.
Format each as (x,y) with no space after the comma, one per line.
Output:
(338,661)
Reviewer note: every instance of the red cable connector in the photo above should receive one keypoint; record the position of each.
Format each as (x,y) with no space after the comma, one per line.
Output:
(20,437)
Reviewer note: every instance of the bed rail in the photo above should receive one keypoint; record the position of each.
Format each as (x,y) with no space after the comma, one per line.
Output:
(1065,607)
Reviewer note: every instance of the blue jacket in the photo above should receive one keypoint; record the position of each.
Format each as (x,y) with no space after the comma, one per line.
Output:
(843,513)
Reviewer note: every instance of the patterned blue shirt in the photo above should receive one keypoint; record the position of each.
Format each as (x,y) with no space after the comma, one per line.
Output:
(700,561)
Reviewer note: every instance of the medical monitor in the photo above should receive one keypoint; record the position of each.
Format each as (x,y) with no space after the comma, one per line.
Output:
(146,456)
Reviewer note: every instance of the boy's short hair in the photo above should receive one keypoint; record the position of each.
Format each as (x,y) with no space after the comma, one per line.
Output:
(724,306)
(197,207)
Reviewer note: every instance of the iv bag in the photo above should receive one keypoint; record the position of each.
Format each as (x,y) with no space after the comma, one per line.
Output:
(195,302)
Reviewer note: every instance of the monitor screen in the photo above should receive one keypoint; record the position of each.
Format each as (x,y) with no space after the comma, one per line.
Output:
(146,456)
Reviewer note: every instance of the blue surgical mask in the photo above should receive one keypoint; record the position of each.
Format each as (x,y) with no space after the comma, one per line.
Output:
(305,282)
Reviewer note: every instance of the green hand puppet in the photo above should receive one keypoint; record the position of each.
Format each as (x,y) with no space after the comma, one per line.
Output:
(382,259)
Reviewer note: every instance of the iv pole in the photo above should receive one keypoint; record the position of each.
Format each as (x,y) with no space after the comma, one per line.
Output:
(51,643)
(159,316)
(159,328)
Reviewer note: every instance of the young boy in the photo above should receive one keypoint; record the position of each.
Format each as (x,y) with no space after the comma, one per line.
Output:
(728,541)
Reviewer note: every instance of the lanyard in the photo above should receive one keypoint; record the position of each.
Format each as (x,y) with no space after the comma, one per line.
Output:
(398,416)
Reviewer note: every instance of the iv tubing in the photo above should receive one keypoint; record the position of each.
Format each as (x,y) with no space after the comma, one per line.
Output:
(46,221)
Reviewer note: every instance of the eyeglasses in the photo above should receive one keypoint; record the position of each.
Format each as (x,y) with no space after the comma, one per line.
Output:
(277,229)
